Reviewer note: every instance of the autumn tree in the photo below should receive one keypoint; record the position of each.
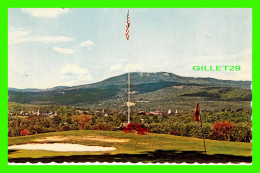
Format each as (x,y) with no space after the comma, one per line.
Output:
(222,130)
(81,120)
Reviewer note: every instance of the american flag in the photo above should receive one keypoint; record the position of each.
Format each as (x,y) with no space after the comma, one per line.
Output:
(127,26)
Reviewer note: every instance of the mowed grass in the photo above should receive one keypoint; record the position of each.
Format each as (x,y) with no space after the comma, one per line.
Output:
(137,144)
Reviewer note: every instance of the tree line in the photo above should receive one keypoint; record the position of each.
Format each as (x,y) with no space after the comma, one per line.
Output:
(222,125)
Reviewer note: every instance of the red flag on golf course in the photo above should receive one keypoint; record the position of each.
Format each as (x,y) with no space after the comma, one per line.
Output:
(197,113)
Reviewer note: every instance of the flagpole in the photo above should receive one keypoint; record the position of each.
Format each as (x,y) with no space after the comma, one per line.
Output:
(129,81)
(203,134)
(127,37)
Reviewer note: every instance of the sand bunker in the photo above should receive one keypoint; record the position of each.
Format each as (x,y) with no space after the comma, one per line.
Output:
(62,147)
(80,138)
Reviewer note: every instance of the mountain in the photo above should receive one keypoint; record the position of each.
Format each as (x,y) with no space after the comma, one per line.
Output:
(144,78)
(59,87)
(149,91)
(26,89)
(36,89)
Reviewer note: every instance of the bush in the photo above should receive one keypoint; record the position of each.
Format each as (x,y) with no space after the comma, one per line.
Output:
(155,128)
(99,127)
(242,132)
(25,132)
(66,128)
(188,128)
(221,130)
(12,132)
(176,132)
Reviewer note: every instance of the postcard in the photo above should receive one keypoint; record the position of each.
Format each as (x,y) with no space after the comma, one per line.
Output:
(127,86)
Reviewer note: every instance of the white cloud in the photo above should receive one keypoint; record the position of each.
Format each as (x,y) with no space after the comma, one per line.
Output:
(116,67)
(49,39)
(71,69)
(87,43)
(134,68)
(45,12)
(17,35)
(62,50)
(22,36)
(75,75)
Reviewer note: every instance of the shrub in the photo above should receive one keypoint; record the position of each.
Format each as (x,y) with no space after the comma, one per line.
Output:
(221,130)
(13,132)
(242,132)
(99,127)
(66,128)
(176,132)
(25,132)
(155,128)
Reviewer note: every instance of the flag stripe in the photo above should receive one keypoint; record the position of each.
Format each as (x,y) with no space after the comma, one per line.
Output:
(127,26)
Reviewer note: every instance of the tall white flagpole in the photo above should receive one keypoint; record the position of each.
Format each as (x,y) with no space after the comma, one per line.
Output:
(129,81)
(129,111)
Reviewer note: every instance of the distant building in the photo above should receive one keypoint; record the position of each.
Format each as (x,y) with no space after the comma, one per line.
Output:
(159,112)
(131,103)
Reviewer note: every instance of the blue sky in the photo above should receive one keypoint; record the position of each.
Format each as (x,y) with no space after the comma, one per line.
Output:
(66,47)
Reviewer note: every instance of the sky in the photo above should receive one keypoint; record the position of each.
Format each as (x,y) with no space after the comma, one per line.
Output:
(68,47)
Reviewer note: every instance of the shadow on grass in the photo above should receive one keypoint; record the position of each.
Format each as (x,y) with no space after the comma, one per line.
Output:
(158,156)
(11,151)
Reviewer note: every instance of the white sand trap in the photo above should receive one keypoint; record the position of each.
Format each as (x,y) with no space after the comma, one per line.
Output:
(62,147)
(81,138)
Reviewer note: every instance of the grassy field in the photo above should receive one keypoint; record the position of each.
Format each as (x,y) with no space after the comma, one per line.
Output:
(134,144)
